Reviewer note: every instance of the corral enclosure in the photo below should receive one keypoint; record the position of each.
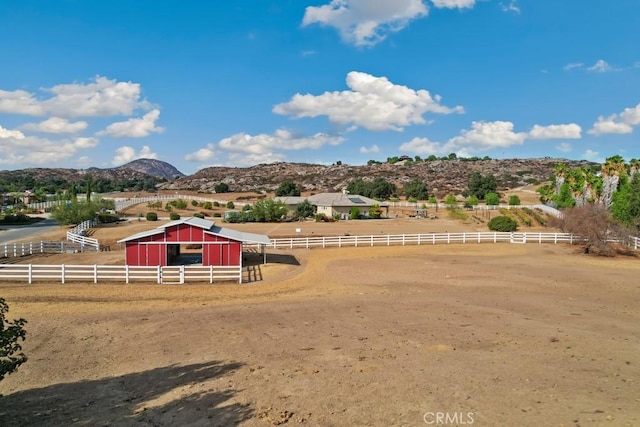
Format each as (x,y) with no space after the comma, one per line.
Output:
(340,336)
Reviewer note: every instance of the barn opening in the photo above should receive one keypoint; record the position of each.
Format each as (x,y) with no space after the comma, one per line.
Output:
(184,254)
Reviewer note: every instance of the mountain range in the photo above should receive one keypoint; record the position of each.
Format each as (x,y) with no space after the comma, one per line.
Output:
(442,176)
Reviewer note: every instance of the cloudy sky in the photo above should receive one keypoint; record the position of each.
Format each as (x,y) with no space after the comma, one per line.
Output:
(244,82)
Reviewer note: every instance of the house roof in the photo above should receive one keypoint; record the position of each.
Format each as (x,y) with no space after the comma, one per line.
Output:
(332,199)
(209,227)
(342,199)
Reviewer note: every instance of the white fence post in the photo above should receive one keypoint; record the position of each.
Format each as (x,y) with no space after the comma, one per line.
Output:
(30,273)
(62,273)
(95,273)
(126,274)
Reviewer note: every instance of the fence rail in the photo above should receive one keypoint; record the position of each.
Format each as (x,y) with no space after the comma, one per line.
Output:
(78,235)
(421,239)
(8,250)
(121,273)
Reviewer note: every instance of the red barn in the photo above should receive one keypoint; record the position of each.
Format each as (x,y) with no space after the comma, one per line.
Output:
(162,246)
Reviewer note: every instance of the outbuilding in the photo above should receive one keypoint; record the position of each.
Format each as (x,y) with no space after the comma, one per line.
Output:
(190,241)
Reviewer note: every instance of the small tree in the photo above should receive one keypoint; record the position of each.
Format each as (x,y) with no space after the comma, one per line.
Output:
(207,205)
(503,223)
(304,209)
(11,332)
(152,216)
(492,199)
(375,212)
(221,188)
(514,200)
(355,212)
(230,205)
(173,216)
(194,203)
(450,201)
(416,189)
(592,223)
(287,188)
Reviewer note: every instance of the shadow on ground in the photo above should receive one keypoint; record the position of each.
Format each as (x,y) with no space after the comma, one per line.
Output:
(128,400)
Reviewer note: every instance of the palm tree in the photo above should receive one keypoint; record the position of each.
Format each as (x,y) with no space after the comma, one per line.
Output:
(612,169)
(634,167)
(560,171)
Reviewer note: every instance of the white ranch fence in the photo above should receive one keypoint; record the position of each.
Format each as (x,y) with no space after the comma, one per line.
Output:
(11,250)
(78,235)
(421,239)
(65,273)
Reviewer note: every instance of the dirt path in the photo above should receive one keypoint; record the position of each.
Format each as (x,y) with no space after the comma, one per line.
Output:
(516,335)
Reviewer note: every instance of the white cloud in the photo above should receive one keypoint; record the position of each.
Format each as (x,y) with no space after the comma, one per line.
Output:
(422,146)
(631,116)
(127,154)
(243,149)
(573,65)
(486,135)
(564,147)
(102,97)
(372,102)
(482,136)
(568,131)
(601,66)
(10,134)
(56,125)
(136,127)
(202,155)
(22,150)
(617,123)
(511,7)
(592,156)
(373,149)
(367,22)
(452,4)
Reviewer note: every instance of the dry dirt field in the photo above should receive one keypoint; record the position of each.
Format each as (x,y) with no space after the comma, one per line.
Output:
(500,335)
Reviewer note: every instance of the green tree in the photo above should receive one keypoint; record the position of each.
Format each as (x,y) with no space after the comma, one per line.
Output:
(269,210)
(304,209)
(287,188)
(221,188)
(503,223)
(355,212)
(450,201)
(375,212)
(626,202)
(564,199)
(417,189)
(76,211)
(472,201)
(492,199)
(152,216)
(11,333)
(514,200)
(207,205)
(230,205)
(194,203)
(480,185)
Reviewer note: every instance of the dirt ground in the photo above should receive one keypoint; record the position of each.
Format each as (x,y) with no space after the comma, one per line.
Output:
(491,335)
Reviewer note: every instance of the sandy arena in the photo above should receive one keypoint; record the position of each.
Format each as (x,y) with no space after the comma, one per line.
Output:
(488,335)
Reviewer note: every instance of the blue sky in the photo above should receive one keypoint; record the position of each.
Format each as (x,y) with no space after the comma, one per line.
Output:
(237,83)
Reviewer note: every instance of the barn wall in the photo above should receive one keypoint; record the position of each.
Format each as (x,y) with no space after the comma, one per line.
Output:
(216,250)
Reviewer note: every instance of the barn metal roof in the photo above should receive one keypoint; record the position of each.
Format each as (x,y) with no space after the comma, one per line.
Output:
(209,227)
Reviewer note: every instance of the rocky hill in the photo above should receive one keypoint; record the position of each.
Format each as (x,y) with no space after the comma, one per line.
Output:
(143,173)
(442,176)
(153,167)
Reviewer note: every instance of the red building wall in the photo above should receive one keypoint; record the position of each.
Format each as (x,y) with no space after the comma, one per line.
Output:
(152,250)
